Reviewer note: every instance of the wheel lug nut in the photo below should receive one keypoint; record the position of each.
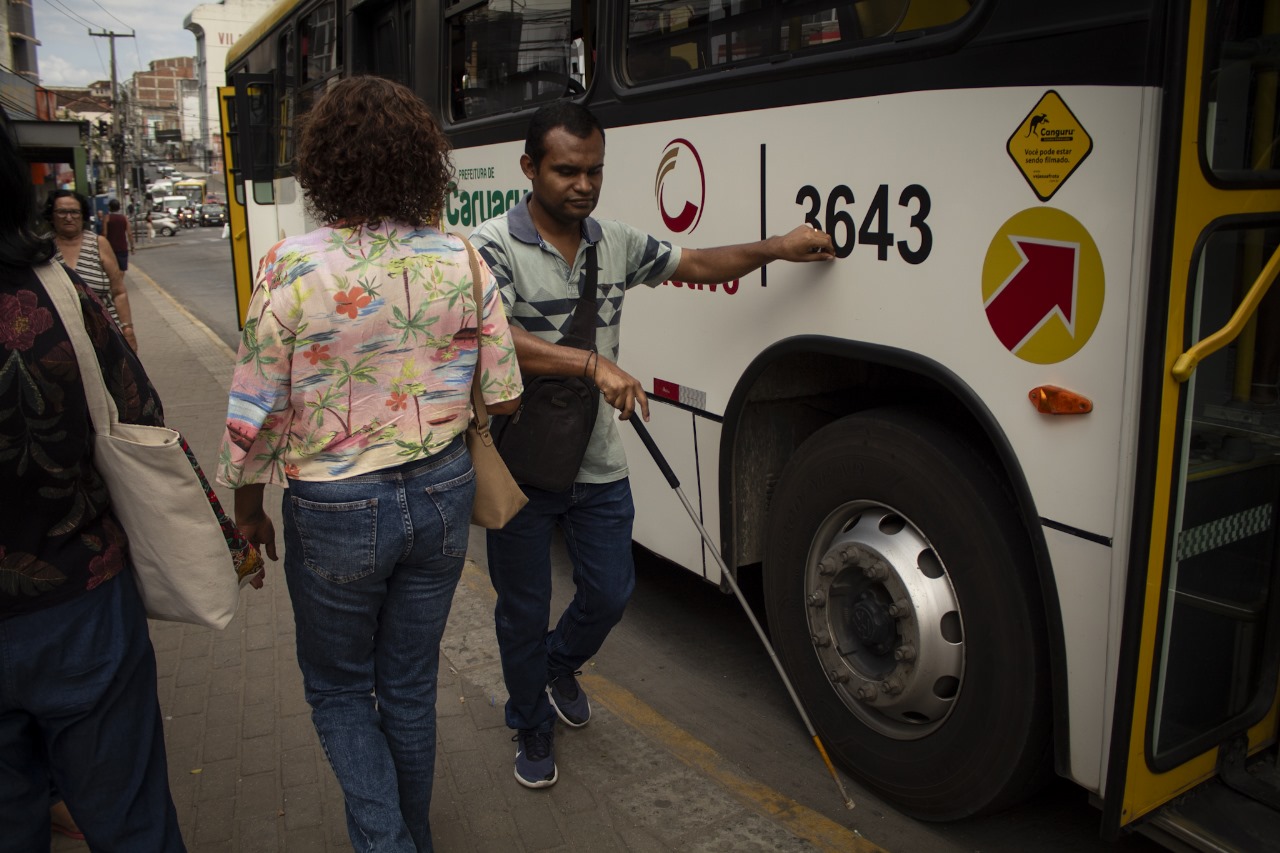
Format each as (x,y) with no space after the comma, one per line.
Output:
(817,598)
(905,652)
(827,566)
(875,571)
(900,608)
(892,686)
(837,676)
(866,693)
(821,639)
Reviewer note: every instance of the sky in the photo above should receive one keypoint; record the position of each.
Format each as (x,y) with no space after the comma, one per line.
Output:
(69,56)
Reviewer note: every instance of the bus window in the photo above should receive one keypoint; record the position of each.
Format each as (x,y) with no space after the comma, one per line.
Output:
(287,80)
(669,38)
(501,60)
(318,39)
(1243,86)
(383,40)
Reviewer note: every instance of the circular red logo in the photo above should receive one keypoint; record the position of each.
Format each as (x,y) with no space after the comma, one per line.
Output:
(681,184)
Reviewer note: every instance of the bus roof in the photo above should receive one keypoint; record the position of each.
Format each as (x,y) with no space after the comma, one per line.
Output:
(260,28)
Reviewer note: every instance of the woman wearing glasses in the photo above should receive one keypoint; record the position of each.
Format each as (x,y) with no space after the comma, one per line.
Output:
(90,255)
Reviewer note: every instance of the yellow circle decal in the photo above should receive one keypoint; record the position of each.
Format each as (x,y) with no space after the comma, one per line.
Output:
(1042,285)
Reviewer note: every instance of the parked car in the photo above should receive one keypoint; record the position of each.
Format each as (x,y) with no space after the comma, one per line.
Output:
(165,225)
(213,214)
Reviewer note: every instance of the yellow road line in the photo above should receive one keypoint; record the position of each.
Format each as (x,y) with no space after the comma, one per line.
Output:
(801,821)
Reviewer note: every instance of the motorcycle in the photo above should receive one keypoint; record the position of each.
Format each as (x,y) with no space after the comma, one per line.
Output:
(187,218)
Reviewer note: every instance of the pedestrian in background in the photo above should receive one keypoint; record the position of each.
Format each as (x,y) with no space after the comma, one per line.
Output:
(538,251)
(78,705)
(90,255)
(116,230)
(353,391)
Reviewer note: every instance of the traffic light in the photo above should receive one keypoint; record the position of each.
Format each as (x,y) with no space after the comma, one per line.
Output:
(103,127)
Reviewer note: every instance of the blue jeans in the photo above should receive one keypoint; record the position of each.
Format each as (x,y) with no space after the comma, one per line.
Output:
(595,519)
(78,708)
(372,562)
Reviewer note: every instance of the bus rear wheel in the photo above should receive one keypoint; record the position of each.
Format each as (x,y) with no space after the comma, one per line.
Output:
(902,599)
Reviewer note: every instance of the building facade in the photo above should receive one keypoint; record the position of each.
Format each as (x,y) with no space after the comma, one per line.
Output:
(217,26)
(20,40)
(155,106)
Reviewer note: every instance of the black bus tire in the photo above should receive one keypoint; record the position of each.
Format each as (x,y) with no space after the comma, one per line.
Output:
(903,602)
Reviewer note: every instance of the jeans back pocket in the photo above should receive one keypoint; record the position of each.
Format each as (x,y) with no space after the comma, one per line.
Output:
(338,540)
(453,499)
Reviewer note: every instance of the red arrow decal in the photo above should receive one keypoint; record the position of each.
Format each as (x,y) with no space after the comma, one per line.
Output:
(1044,282)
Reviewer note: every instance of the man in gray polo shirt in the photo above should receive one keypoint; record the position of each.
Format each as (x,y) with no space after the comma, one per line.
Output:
(537,251)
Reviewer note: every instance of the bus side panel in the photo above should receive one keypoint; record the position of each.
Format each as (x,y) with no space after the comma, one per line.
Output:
(290,208)
(664,527)
(1084,579)
(264,228)
(951,145)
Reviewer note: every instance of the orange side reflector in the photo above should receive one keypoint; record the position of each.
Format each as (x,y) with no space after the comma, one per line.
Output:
(1052,400)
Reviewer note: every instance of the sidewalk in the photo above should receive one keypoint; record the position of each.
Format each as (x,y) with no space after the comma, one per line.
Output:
(247,771)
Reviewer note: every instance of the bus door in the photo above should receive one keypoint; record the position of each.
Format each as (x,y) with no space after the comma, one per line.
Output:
(247,112)
(237,223)
(1197,685)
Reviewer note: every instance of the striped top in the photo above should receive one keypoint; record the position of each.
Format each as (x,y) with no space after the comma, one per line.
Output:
(540,290)
(89,267)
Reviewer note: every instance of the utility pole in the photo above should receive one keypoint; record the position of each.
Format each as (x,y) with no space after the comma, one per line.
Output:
(117,130)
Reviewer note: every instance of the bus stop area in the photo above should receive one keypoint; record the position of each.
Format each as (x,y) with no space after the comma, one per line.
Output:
(246,768)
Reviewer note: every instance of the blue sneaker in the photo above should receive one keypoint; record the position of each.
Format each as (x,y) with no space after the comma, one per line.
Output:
(535,758)
(569,700)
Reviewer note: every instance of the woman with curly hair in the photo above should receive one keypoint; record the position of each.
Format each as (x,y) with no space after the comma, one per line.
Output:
(352,391)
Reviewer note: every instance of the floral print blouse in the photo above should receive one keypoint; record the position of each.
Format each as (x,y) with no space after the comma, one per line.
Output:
(357,355)
(58,537)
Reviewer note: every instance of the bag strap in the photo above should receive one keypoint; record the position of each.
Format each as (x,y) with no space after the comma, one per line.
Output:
(66,301)
(584,316)
(479,411)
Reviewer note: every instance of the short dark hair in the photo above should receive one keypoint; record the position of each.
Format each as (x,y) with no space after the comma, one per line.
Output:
(19,246)
(370,151)
(113,205)
(85,212)
(572,116)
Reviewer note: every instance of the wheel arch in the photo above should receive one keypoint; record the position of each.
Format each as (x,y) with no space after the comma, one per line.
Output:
(799,385)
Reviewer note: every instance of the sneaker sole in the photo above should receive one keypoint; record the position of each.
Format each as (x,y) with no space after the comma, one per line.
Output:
(541,783)
(563,718)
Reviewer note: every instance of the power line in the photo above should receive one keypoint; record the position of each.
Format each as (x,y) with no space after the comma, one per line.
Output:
(102,64)
(109,12)
(70,13)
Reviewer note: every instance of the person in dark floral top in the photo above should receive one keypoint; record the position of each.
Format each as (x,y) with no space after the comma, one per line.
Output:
(78,705)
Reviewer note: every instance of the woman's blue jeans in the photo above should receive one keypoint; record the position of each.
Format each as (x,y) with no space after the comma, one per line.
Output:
(372,562)
(78,706)
(596,520)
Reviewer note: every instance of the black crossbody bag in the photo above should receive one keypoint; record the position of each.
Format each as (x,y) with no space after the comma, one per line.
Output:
(544,441)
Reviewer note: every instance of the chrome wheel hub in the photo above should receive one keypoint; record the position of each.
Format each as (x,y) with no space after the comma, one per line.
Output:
(884,620)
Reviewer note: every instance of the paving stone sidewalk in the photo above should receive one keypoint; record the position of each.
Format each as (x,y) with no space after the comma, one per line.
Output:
(245,765)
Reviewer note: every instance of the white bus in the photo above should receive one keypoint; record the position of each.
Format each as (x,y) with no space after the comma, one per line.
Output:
(1009,467)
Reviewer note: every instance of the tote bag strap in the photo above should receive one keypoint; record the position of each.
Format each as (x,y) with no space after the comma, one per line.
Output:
(66,301)
(477,396)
